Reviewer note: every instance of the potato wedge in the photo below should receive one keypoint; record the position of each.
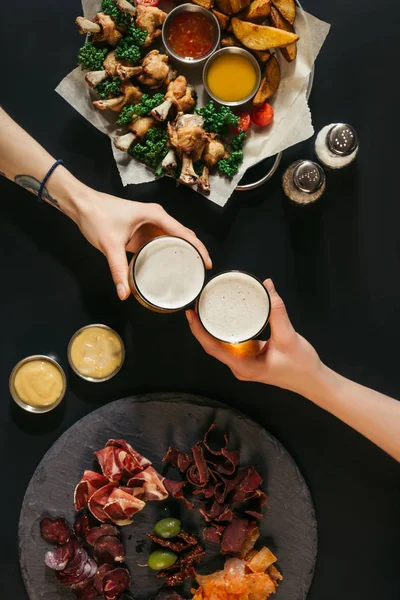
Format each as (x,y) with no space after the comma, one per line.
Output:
(231,7)
(290,52)
(223,20)
(257,12)
(204,3)
(261,37)
(287,8)
(269,82)
(261,55)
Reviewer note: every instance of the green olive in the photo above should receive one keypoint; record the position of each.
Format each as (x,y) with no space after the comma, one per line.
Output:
(161,559)
(167,528)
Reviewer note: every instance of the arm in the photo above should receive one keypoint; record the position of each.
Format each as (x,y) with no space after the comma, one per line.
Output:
(288,361)
(112,225)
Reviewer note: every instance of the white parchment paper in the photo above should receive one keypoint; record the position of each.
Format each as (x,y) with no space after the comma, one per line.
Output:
(292,123)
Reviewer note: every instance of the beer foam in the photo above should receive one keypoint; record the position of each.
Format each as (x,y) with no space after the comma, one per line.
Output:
(234,307)
(169,273)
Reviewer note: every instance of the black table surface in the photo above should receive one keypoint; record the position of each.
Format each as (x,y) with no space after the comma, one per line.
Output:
(337,267)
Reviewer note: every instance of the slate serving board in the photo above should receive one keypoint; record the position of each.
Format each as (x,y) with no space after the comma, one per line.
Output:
(151,423)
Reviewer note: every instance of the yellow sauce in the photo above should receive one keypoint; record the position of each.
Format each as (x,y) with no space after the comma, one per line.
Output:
(38,383)
(96,352)
(231,77)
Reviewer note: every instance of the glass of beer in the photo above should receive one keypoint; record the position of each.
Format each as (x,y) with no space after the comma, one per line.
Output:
(167,274)
(234,307)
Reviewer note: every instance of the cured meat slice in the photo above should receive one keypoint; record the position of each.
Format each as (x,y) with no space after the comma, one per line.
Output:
(217,512)
(213,533)
(198,473)
(168,594)
(85,590)
(82,573)
(152,484)
(55,531)
(59,558)
(90,482)
(108,549)
(98,580)
(175,489)
(187,541)
(248,487)
(121,506)
(115,583)
(111,461)
(234,536)
(98,501)
(95,532)
(81,526)
(140,462)
(179,460)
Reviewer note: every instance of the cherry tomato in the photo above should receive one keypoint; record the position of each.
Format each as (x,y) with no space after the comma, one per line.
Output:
(243,124)
(148,2)
(262,115)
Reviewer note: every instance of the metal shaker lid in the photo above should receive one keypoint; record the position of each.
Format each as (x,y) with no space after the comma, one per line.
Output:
(342,139)
(308,176)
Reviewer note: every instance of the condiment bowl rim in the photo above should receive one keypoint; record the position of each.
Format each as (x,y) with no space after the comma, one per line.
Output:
(132,274)
(232,50)
(13,391)
(87,377)
(228,271)
(191,8)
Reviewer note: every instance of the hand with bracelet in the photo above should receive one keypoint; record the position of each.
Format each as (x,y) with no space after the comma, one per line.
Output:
(288,361)
(112,225)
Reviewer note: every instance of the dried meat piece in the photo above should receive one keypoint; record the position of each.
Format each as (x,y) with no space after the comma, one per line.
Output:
(234,536)
(168,594)
(98,579)
(122,506)
(175,489)
(58,559)
(95,532)
(98,501)
(198,473)
(115,583)
(55,531)
(85,590)
(256,505)
(228,484)
(248,487)
(108,549)
(150,483)
(81,526)
(216,511)
(213,533)
(187,542)
(178,459)
(90,482)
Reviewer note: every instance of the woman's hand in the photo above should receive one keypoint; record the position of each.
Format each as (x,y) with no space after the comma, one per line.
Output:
(115,226)
(286,360)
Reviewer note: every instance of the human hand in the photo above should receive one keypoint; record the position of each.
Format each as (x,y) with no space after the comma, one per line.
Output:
(115,226)
(286,360)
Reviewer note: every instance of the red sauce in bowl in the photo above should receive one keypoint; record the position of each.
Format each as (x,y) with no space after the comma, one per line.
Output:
(191,35)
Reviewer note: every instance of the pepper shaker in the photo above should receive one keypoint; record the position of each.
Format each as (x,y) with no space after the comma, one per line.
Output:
(304,182)
(336,145)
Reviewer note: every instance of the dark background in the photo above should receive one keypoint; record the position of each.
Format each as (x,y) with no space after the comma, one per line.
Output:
(336,266)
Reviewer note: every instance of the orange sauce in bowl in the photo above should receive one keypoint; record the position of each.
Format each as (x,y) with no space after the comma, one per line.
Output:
(231,77)
(191,35)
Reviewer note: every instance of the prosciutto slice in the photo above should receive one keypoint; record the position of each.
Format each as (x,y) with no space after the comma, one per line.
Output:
(122,506)
(111,461)
(98,501)
(150,484)
(138,462)
(88,485)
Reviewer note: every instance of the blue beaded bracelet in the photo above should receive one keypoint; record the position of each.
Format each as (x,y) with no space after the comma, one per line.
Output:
(46,178)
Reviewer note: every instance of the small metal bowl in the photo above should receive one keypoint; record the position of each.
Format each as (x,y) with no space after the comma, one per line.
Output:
(250,58)
(24,405)
(191,8)
(86,377)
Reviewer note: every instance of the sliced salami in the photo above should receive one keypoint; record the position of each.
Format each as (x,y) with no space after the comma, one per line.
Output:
(81,526)
(85,590)
(98,580)
(108,549)
(58,559)
(115,583)
(96,532)
(55,531)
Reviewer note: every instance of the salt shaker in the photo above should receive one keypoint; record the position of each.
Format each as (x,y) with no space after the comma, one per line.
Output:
(336,145)
(304,182)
